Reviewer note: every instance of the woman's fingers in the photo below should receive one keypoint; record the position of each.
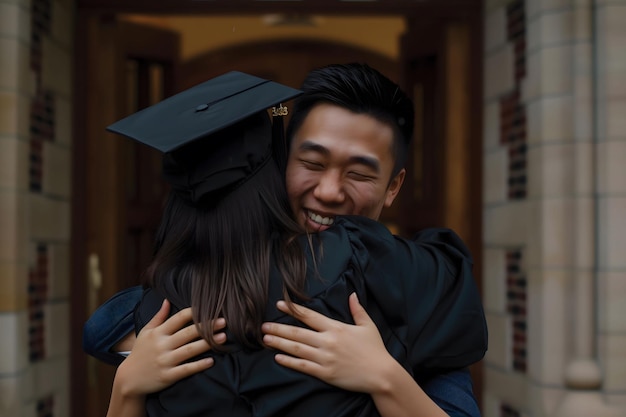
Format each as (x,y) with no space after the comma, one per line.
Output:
(177,321)
(192,332)
(187,369)
(160,316)
(285,332)
(360,316)
(301,365)
(311,318)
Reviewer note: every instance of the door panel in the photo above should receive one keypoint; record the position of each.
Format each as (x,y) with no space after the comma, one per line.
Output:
(441,67)
(124,67)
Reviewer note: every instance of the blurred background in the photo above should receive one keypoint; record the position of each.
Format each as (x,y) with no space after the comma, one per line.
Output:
(520,146)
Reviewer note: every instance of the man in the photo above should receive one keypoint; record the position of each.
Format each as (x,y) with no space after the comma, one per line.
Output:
(349,135)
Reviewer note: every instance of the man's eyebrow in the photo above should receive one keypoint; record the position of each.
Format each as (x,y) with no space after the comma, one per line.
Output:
(367,161)
(314,147)
(371,163)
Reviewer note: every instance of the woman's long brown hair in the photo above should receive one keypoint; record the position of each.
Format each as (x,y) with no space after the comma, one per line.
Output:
(217,257)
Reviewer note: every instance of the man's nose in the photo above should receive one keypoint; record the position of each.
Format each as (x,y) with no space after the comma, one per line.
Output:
(329,189)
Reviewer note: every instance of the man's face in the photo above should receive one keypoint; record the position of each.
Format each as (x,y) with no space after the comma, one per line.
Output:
(340,163)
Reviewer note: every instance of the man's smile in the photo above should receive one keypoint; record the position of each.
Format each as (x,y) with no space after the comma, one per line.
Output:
(326,221)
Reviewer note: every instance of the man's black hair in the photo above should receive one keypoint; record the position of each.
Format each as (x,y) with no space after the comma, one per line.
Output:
(362,90)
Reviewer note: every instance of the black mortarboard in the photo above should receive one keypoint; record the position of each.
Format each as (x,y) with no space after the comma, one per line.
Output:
(214,135)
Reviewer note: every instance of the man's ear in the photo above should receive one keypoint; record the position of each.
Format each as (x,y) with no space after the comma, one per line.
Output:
(394,187)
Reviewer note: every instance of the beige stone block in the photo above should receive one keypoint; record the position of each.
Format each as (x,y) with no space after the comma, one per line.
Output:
(618,400)
(550,28)
(495,29)
(613,84)
(8,112)
(49,219)
(534,7)
(14,342)
(57,165)
(611,305)
(490,405)
(56,74)
(10,401)
(491,125)
(584,232)
(63,119)
(611,36)
(494,279)
(28,385)
(500,334)
(611,167)
(14,65)
(10,20)
(59,267)
(13,164)
(583,18)
(14,227)
(510,387)
(57,328)
(30,410)
(14,114)
(615,118)
(495,176)
(612,353)
(490,5)
(584,169)
(612,233)
(549,329)
(582,109)
(549,72)
(51,375)
(62,28)
(543,400)
(557,222)
(14,284)
(499,73)
(550,170)
(506,224)
(9,62)
(549,119)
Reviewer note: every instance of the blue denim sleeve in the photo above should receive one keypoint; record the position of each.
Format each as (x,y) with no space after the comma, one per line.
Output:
(109,324)
(453,392)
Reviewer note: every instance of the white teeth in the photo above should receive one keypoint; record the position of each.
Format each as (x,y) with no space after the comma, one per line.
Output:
(321,220)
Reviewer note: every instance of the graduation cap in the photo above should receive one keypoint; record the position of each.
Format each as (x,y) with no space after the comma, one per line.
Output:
(214,135)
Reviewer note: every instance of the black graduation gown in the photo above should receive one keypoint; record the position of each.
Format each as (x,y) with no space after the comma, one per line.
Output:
(420,293)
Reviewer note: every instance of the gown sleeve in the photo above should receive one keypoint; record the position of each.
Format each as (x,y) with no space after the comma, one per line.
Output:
(426,293)
(109,324)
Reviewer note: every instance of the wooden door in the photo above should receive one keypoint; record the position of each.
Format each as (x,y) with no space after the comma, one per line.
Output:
(118,195)
(441,68)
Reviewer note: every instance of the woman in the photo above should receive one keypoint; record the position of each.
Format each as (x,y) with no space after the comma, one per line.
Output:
(228,247)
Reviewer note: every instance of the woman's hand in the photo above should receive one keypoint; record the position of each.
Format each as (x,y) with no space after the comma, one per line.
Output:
(158,357)
(352,357)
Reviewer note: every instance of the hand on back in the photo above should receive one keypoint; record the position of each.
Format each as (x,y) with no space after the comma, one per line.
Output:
(352,357)
(158,357)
